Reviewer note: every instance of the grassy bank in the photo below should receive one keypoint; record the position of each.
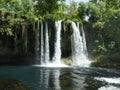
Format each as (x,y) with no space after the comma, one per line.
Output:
(107,61)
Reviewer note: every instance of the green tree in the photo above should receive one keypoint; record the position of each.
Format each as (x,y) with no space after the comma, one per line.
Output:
(10,5)
(82,10)
(104,16)
(72,10)
(28,8)
(43,7)
(112,4)
(113,28)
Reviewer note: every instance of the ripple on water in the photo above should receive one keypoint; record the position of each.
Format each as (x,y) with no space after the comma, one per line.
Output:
(109,80)
(109,87)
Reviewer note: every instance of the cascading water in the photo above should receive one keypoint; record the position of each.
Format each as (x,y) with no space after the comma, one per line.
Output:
(45,54)
(46,44)
(84,42)
(42,46)
(77,43)
(57,55)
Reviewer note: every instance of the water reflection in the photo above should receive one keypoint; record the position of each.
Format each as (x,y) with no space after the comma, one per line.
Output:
(59,79)
(48,79)
(42,78)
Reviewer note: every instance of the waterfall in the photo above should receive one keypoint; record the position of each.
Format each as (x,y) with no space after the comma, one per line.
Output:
(84,42)
(42,45)
(78,25)
(45,53)
(46,44)
(57,55)
(77,43)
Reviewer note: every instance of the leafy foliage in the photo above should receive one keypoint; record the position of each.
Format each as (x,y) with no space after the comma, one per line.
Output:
(82,10)
(113,28)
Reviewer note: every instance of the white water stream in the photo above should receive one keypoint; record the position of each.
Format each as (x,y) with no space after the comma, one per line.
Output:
(47,56)
(78,44)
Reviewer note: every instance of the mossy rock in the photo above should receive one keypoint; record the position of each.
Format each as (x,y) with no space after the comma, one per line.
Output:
(67,61)
(13,85)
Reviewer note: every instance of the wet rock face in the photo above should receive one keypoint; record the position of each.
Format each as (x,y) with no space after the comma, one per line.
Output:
(67,27)
(67,31)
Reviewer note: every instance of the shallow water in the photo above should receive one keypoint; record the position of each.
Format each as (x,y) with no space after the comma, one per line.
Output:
(67,78)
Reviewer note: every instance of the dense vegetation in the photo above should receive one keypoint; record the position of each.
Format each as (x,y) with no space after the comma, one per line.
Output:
(100,18)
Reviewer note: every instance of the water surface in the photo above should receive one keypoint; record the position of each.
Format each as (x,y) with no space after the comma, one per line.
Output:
(69,78)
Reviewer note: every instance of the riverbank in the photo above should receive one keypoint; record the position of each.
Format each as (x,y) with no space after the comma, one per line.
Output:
(107,61)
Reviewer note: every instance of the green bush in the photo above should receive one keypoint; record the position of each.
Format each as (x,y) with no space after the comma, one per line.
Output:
(107,61)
